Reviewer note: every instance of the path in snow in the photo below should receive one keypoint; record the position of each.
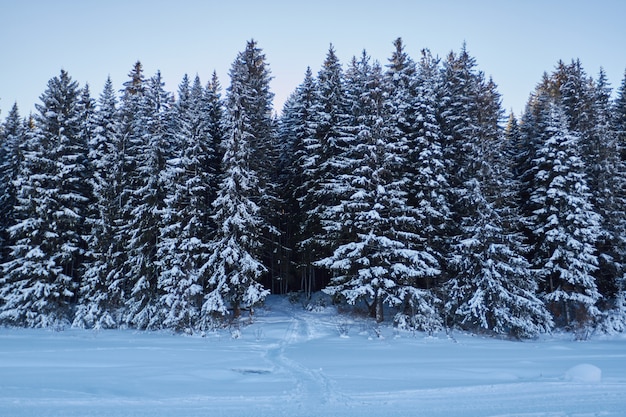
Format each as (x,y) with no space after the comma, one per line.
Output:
(312,386)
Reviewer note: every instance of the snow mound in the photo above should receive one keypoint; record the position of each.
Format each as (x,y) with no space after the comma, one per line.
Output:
(584,373)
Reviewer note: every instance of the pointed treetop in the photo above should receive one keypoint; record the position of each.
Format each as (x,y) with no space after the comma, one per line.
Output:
(136,83)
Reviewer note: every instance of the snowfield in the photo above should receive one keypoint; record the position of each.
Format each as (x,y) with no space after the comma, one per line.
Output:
(294,362)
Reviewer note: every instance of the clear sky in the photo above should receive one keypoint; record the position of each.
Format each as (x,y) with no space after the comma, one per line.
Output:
(512,41)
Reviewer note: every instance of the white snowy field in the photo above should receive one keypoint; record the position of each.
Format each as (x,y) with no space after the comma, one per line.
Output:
(292,362)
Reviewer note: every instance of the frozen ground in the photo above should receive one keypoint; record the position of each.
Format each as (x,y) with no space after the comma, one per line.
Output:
(292,362)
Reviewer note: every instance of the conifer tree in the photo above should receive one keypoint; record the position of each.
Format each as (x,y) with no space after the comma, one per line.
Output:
(297,126)
(429,180)
(187,227)
(330,118)
(606,173)
(458,114)
(131,115)
(571,85)
(146,144)
(565,225)
(101,292)
(490,284)
(400,80)
(11,137)
(337,186)
(234,264)
(250,94)
(412,115)
(47,258)
(145,202)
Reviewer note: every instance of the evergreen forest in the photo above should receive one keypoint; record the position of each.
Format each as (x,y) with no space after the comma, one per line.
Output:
(399,188)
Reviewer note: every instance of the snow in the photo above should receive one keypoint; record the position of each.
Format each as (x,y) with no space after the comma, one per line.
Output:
(292,361)
(584,373)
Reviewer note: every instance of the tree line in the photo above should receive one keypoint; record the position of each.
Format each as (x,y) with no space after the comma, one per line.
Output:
(401,188)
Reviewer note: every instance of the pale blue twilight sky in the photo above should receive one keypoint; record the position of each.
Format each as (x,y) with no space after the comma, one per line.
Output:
(512,41)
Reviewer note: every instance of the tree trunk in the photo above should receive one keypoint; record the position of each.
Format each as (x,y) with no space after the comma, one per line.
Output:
(236,310)
(379,309)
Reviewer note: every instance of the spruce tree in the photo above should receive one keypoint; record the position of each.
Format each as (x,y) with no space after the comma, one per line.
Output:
(429,179)
(330,118)
(297,126)
(343,158)
(606,173)
(146,145)
(513,140)
(490,285)
(234,264)
(565,224)
(176,281)
(458,114)
(101,292)
(131,115)
(152,149)
(46,262)
(412,116)
(11,137)
(187,227)
(250,94)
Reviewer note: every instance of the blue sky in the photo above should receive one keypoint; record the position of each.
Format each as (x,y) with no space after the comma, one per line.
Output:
(512,41)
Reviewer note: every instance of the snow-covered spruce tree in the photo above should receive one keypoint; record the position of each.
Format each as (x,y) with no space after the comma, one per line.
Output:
(400,104)
(101,291)
(298,127)
(458,109)
(250,91)
(267,159)
(46,261)
(186,226)
(565,225)
(179,292)
(429,180)
(615,317)
(146,135)
(234,264)
(607,174)
(494,288)
(458,112)
(490,285)
(11,137)
(380,258)
(131,117)
(330,118)
(585,104)
(412,122)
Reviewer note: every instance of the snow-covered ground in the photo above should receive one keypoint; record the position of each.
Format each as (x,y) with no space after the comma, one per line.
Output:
(292,362)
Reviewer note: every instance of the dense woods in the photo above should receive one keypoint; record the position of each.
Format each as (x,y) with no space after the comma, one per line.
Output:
(399,187)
